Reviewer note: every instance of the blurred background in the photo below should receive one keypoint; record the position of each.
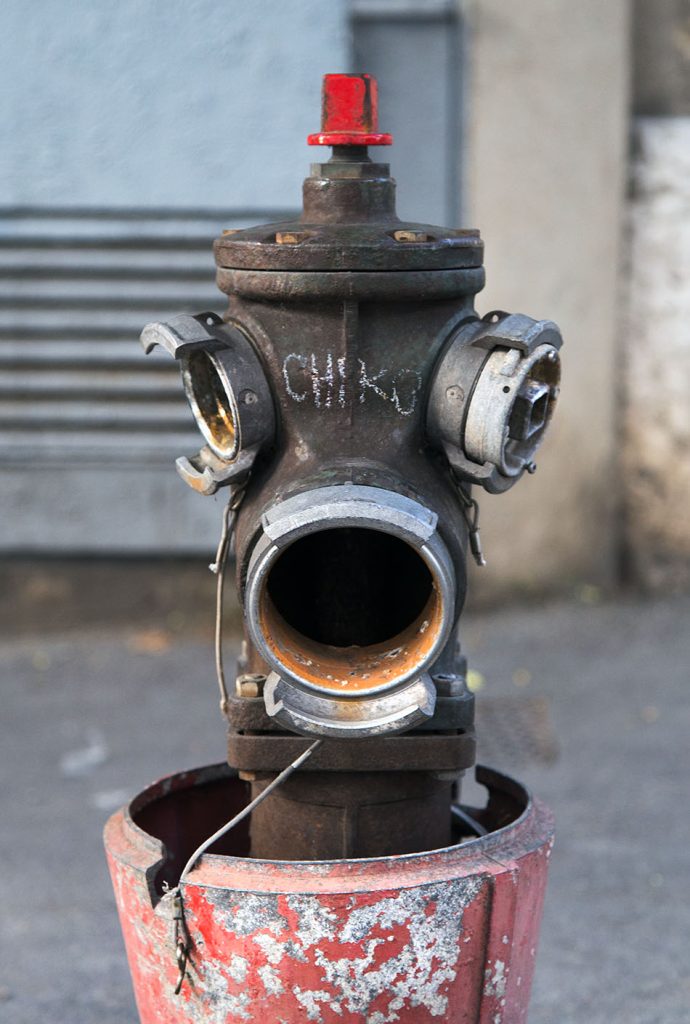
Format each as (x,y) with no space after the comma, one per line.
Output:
(132,135)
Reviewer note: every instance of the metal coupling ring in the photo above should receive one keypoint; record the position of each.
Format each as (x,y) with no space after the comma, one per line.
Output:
(311,715)
(493,396)
(334,541)
(228,394)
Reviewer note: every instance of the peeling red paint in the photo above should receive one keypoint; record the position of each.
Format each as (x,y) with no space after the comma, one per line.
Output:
(441,936)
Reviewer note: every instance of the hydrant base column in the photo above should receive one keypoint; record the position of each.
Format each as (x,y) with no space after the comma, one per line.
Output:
(446,935)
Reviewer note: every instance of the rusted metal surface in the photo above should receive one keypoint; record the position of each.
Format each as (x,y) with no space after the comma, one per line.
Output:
(369,247)
(348,310)
(350,669)
(352,814)
(411,752)
(446,935)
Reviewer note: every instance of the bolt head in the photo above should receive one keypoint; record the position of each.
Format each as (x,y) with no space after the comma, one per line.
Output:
(449,684)
(250,686)
(410,236)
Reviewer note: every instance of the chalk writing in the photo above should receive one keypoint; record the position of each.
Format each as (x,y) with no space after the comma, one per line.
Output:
(328,382)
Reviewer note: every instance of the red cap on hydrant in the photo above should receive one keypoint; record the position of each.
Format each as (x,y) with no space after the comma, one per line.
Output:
(349,113)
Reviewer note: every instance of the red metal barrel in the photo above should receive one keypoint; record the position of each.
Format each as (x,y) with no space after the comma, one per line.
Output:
(446,935)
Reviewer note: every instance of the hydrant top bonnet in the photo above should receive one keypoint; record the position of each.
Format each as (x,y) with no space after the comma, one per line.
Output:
(349,220)
(382,245)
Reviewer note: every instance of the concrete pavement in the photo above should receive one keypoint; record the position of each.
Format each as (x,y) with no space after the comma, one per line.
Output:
(88,718)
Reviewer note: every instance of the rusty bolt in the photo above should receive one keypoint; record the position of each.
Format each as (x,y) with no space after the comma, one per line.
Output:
(250,685)
(411,236)
(449,684)
(291,237)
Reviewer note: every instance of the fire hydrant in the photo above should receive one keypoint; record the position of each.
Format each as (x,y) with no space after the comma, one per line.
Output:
(349,400)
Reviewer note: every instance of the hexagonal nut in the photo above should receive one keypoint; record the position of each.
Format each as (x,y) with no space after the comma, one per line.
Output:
(449,684)
(530,410)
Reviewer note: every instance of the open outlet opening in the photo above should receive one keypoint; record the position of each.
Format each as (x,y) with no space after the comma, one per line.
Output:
(351,608)
(212,403)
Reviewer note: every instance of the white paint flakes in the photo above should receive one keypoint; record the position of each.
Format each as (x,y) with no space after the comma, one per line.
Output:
(495,983)
(270,980)
(273,949)
(247,913)
(220,1004)
(406,949)
(316,922)
(310,1001)
(238,967)
(418,973)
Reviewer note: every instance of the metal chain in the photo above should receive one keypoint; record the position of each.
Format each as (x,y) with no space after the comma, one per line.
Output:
(181,937)
(218,568)
(470,511)
(180,933)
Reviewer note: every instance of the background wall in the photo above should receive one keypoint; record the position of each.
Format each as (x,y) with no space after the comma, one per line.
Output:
(181,104)
(546,169)
(656,397)
(133,134)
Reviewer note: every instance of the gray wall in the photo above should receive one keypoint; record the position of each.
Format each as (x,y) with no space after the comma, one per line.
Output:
(656,424)
(547,108)
(415,52)
(656,406)
(182,103)
(661,57)
(160,107)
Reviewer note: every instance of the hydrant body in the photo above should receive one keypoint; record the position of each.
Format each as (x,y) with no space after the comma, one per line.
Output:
(349,400)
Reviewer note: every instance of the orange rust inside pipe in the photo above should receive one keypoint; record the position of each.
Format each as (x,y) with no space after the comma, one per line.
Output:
(352,669)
